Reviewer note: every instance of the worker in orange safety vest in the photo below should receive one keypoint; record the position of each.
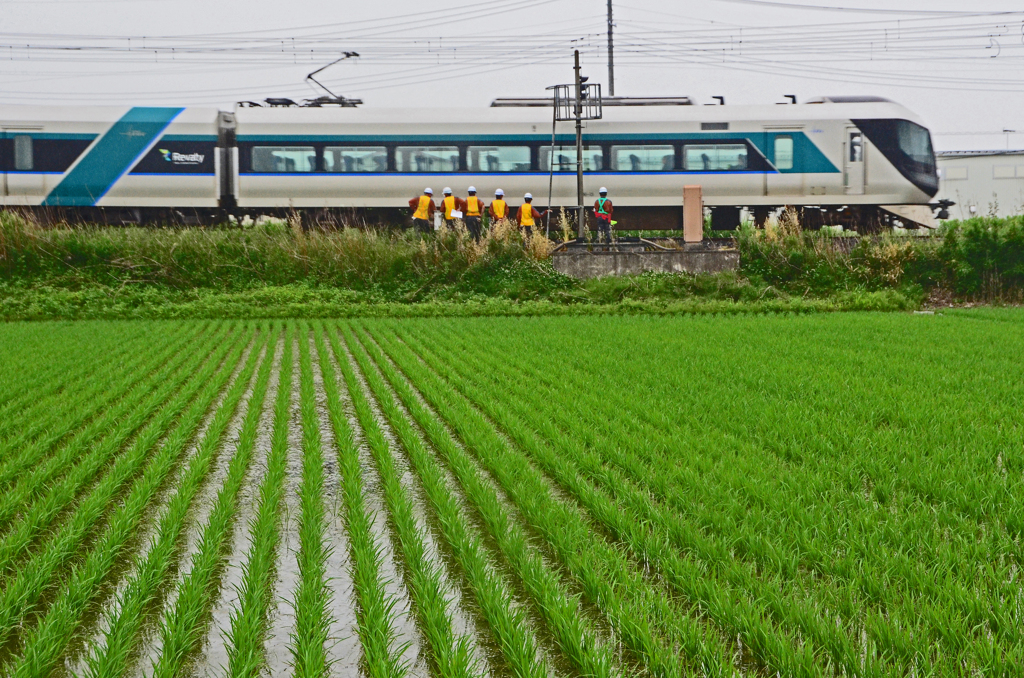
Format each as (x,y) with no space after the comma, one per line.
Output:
(528,216)
(474,208)
(423,211)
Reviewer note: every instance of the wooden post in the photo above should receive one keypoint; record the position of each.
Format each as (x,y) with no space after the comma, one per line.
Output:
(693,214)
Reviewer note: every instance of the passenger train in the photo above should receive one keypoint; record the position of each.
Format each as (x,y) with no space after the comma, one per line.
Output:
(846,160)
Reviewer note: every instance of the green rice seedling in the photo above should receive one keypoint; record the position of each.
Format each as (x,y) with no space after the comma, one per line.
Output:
(183,627)
(47,642)
(132,611)
(561,612)
(312,597)
(75,465)
(36,378)
(507,623)
(894,632)
(781,609)
(51,420)
(449,655)
(630,604)
(37,516)
(24,591)
(47,454)
(375,614)
(249,620)
(775,649)
(611,447)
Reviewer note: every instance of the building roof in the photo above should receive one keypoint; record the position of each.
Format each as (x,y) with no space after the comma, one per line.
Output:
(975,154)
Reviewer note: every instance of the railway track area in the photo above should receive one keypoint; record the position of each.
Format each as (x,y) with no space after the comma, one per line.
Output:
(677,496)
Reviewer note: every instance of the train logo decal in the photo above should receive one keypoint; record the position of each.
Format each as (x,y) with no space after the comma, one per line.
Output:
(182,158)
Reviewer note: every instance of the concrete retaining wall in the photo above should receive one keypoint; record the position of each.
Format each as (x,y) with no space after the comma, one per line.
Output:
(597,264)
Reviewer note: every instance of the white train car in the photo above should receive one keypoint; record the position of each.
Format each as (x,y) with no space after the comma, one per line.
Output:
(843,159)
(81,158)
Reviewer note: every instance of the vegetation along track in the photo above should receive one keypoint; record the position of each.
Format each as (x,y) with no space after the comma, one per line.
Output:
(513,497)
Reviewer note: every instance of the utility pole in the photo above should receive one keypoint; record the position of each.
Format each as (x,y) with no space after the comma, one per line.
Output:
(579,147)
(611,53)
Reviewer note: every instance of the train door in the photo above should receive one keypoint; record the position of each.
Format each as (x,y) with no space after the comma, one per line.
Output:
(853,164)
(786,178)
(226,161)
(23,182)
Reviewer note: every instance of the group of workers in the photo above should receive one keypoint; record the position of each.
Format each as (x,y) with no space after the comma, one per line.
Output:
(471,210)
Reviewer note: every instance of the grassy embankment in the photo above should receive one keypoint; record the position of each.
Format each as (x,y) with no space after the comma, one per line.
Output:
(279,271)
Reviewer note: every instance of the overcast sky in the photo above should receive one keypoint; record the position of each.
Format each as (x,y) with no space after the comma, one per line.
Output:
(960,65)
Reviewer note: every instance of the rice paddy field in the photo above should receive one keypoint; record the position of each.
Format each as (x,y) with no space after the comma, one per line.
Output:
(821,495)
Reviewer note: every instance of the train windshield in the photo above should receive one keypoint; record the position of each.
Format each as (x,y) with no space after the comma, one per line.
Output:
(915,141)
(908,146)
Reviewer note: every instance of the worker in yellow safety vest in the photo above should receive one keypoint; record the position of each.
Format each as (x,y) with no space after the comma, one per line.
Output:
(499,208)
(474,209)
(449,204)
(423,211)
(528,216)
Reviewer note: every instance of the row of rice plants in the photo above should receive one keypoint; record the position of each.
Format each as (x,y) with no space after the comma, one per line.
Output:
(40,496)
(902,621)
(312,597)
(568,461)
(133,609)
(48,642)
(50,419)
(560,610)
(24,592)
(450,655)
(249,620)
(183,626)
(645,622)
(41,370)
(59,494)
(611,443)
(375,614)
(515,372)
(506,621)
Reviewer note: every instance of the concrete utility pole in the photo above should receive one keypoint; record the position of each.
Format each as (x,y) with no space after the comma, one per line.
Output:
(579,147)
(611,53)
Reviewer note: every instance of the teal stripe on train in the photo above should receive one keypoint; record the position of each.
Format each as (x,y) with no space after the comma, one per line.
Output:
(111,156)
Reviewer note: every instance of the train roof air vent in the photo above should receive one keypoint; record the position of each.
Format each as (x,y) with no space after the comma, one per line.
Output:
(527,102)
(867,99)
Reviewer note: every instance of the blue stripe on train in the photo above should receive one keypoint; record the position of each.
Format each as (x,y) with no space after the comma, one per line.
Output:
(110,157)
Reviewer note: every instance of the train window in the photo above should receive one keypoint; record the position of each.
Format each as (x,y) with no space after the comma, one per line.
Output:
(856,147)
(916,143)
(283,159)
(784,153)
(714,157)
(23,159)
(498,158)
(643,158)
(565,158)
(427,158)
(355,159)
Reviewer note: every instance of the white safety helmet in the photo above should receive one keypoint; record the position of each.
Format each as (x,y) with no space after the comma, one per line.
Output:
(528,196)
(499,192)
(428,191)
(603,190)
(472,189)
(447,191)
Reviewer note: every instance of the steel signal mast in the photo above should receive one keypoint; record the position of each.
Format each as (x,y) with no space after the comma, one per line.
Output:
(611,53)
